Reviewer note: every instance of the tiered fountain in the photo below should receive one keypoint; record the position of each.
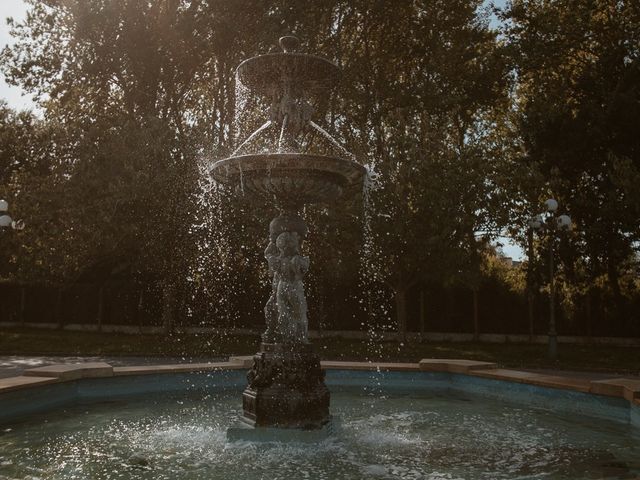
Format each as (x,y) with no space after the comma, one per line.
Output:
(290,161)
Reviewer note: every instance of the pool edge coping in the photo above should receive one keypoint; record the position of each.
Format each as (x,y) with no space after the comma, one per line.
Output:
(626,388)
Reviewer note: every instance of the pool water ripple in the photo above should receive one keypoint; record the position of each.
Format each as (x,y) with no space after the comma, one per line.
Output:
(420,437)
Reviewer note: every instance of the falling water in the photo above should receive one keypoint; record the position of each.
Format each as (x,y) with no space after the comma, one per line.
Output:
(213,272)
(371,182)
(254,135)
(373,297)
(282,133)
(325,134)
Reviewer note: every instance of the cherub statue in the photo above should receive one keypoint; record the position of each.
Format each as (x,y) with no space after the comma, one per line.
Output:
(292,304)
(271,307)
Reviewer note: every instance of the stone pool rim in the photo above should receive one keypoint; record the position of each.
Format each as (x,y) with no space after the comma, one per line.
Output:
(621,391)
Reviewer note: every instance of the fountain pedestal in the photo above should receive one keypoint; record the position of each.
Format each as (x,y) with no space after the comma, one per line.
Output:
(286,384)
(286,389)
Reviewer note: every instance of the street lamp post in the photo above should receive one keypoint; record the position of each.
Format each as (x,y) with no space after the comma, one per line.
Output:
(551,223)
(530,280)
(5,219)
(7,222)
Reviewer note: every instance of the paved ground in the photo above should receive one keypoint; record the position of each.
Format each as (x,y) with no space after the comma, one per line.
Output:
(11,366)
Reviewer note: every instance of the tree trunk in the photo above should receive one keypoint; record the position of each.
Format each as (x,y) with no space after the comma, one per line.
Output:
(422,312)
(401,313)
(168,307)
(588,313)
(23,305)
(476,323)
(58,310)
(138,312)
(100,317)
(530,302)
(542,305)
(530,280)
(449,311)
(614,284)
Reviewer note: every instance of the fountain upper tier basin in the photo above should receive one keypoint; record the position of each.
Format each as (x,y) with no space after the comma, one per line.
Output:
(264,74)
(290,178)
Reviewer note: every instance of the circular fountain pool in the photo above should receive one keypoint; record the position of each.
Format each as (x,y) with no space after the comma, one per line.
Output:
(382,434)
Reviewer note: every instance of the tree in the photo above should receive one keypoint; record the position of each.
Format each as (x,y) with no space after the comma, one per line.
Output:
(578,70)
(422,102)
(422,80)
(135,115)
(32,159)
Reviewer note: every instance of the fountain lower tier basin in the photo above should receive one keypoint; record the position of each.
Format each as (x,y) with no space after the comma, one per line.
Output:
(290,177)
(408,425)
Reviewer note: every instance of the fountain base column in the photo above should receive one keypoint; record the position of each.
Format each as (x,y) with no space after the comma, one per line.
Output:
(286,389)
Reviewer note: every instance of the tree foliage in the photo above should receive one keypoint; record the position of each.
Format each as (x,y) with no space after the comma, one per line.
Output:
(464,129)
(578,100)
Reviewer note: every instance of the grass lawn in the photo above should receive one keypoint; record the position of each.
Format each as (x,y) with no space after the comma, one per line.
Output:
(623,360)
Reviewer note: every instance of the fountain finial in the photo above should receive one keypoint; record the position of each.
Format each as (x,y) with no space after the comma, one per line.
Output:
(289,43)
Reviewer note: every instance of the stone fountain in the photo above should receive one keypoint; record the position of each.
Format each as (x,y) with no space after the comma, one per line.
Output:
(291,161)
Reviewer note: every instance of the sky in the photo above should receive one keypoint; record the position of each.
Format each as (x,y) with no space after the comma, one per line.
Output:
(16,99)
(13,95)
